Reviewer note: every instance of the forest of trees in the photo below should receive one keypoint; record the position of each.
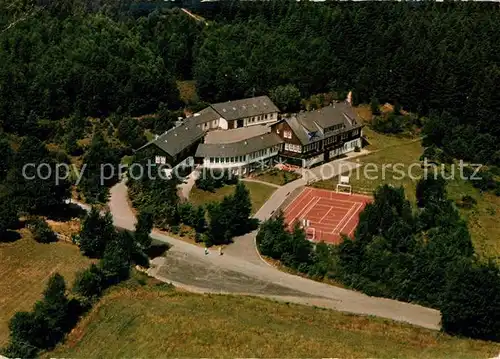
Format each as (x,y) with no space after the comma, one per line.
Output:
(77,79)
(440,60)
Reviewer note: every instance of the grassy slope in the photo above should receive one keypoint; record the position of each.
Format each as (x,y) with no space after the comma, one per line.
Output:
(25,266)
(482,219)
(259,193)
(152,323)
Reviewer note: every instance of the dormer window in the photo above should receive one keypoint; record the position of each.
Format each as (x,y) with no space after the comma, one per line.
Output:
(287,134)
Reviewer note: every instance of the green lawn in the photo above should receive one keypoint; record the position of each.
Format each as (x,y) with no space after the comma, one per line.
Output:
(383,166)
(482,219)
(25,266)
(149,322)
(277,177)
(259,193)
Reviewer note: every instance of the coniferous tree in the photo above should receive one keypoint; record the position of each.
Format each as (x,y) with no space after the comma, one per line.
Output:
(375,106)
(241,209)
(95,233)
(143,228)
(32,182)
(88,283)
(54,309)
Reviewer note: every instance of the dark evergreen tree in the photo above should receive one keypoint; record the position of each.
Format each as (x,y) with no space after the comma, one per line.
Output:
(143,228)
(32,182)
(8,216)
(89,283)
(95,233)
(116,260)
(375,106)
(287,98)
(471,300)
(54,309)
(240,209)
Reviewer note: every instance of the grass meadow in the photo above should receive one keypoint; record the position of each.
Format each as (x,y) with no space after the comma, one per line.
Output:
(149,322)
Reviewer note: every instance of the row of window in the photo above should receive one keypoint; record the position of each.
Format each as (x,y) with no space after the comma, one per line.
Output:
(206,125)
(251,156)
(160,160)
(293,148)
(343,136)
(227,159)
(316,145)
(260,118)
(335,128)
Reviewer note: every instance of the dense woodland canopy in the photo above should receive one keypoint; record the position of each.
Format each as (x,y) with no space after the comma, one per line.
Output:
(77,75)
(440,60)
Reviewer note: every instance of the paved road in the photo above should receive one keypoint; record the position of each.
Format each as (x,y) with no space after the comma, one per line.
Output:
(187,186)
(240,270)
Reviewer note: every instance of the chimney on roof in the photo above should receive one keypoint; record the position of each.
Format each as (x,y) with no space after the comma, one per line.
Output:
(349,98)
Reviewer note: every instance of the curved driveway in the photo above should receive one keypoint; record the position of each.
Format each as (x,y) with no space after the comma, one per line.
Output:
(241,271)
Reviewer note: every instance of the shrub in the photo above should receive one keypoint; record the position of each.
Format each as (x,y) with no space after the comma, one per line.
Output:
(210,180)
(357,149)
(207,240)
(467,202)
(89,283)
(41,231)
(175,229)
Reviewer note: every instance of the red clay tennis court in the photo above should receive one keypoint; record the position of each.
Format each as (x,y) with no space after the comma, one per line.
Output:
(327,213)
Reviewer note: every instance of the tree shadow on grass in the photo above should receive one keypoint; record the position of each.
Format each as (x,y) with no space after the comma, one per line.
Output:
(9,237)
(66,212)
(157,249)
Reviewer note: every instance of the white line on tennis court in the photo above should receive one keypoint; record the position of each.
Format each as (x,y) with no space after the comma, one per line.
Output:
(352,215)
(326,214)
(297,201)
(343,218)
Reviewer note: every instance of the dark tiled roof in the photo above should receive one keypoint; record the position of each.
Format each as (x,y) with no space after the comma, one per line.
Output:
(208,114)
(238,148)
(233,110)
(177,139)
(304,123)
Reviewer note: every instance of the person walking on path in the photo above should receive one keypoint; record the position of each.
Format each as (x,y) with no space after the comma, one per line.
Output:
(206,250)
(220,250)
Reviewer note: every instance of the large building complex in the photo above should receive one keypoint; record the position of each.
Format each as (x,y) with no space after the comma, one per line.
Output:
(246,134)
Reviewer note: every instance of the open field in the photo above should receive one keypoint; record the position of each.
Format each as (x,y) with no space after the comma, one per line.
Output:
(25,266)
(259,193)
(378,169)
(482,219)
(150,322)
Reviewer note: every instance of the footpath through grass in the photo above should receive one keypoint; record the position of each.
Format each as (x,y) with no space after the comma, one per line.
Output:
(25,267)
(259,194)
(379,168)
(148,322)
